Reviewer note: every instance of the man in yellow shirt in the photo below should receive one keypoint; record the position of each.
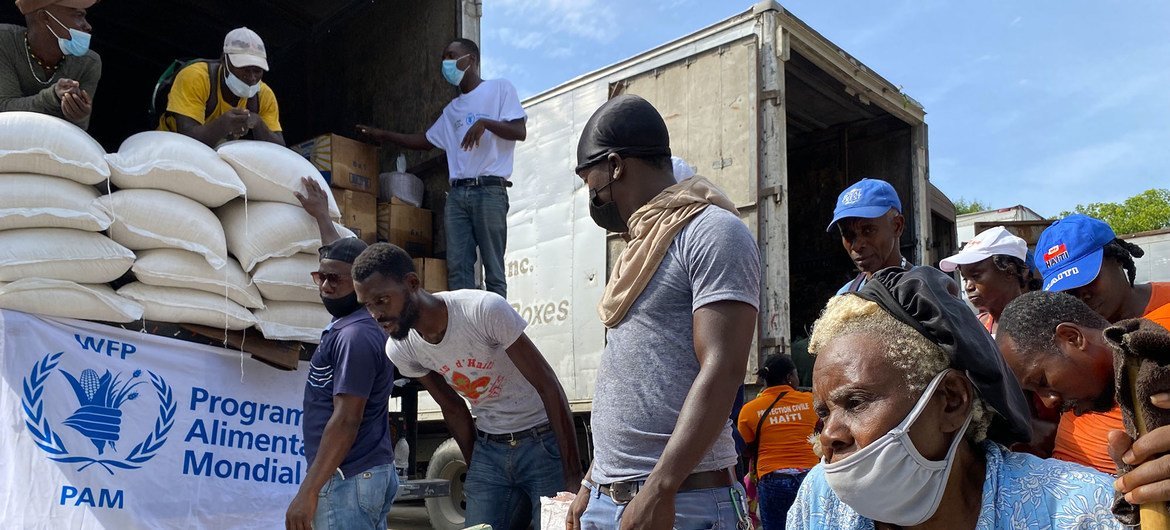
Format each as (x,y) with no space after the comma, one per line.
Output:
(238,105)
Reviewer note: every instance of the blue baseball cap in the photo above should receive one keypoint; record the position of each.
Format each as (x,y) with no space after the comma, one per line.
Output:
(869,198)
(1069,253)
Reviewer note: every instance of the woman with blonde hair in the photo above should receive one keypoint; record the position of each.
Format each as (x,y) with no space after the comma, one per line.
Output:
(917,406)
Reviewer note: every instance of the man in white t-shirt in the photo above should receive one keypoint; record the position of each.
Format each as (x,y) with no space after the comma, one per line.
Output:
(471,343)
(478,130)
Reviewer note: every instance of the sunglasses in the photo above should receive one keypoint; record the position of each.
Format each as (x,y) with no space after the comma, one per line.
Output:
(320,278)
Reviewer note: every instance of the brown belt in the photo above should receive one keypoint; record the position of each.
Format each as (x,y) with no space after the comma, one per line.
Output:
(623,492)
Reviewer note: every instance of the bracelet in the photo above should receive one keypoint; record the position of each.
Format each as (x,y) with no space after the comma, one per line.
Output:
(586,483)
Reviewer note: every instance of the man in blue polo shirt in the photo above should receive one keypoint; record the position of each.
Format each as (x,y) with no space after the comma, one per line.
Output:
(351,480)
(869,218)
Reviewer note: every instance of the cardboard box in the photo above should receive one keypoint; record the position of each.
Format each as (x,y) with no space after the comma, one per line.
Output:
(406,226)
(433,273)
(345,163)
(359,212)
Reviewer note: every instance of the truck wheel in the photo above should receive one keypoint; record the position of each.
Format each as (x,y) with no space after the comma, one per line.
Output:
(446,513)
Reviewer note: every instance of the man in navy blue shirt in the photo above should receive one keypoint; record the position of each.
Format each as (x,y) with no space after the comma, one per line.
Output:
(351,480)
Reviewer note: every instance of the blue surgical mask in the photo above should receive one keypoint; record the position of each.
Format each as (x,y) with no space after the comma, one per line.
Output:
(451,71)
(240,88)
(76,45)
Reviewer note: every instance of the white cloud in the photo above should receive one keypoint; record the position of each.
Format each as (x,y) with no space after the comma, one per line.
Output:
(521,40)
(545,19)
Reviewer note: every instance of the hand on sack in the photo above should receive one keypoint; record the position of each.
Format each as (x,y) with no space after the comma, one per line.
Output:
(1150,479)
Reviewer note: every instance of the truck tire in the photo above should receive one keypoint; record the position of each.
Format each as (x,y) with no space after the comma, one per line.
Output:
(446,513)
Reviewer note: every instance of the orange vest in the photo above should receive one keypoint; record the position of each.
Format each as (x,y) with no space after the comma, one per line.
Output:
(784,435)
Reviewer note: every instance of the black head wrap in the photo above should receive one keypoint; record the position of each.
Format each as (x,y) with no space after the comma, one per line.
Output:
(923,298)
(344,250)
(626,125)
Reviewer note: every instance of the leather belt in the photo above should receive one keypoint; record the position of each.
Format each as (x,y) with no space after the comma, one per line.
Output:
(514,437)
(623,492)
(481,181)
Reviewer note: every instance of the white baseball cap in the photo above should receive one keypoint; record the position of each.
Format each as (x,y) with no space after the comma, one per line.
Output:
(991,242)
(244,48)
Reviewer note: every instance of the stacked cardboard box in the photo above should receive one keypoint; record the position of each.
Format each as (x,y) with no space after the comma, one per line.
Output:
(351,168)
(432,272)
(359,212)
(346,164)
(406,226)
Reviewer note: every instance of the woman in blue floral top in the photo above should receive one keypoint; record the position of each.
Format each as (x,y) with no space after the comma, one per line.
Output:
(916,402)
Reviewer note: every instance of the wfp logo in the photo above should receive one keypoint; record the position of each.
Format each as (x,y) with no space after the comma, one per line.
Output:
(98,417)
(852,196)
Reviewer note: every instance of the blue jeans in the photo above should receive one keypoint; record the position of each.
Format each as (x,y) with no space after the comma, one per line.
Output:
(477,216)
(359,501)
(777,493)
(503,479)
(713,508)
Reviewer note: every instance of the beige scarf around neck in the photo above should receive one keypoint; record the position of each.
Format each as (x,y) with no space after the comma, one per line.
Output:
(652,230)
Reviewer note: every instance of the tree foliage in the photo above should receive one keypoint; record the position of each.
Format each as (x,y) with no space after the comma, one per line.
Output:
(964,206)
(1148,210)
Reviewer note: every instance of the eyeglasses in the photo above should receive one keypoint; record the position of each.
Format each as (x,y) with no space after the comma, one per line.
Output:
(320,278)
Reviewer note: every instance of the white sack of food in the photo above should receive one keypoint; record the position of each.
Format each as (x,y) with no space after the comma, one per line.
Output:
(178,268)
(272,172)
(162,160)
(258,231)
(288,279)
(61,254)
(39,201)
(188,306)
(31,142)
(150,219)
(65,299)
(554,510)
(299,321)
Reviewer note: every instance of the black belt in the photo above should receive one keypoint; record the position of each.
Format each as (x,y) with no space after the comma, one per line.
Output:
(623,492)
(482,181)
(515,437)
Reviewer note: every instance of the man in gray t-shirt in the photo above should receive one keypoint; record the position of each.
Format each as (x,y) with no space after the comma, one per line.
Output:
(680,307)
(47,66)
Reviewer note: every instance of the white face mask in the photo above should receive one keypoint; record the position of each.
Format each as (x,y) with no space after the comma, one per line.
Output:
(240,88)
(889,480)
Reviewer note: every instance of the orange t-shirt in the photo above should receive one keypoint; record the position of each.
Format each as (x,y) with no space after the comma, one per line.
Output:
(1084,439)
(784,440)
(1160,296)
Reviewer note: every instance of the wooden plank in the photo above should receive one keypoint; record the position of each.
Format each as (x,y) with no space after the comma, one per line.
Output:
(280,354)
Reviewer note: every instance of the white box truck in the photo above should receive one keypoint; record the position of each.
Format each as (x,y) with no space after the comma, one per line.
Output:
(771,111)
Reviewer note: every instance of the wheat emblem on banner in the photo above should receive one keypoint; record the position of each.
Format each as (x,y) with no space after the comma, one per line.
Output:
(99,414)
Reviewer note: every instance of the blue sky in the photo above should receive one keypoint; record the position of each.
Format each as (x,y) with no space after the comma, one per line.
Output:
(1047,104)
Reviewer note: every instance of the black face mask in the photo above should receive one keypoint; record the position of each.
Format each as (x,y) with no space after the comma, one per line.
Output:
(606,214)
(342,307)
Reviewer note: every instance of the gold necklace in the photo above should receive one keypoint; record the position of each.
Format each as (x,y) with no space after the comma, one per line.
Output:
(30,56)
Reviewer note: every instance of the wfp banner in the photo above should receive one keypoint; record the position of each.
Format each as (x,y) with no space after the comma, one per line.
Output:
(106,428)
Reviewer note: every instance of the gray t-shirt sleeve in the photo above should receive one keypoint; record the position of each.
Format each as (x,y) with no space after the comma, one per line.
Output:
(499,321)
(721,258)
(402,355)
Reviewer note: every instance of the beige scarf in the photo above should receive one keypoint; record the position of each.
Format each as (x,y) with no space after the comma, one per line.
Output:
(652,230)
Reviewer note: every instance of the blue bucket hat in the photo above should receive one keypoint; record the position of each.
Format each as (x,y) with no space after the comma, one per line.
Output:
(1069,253)
(869,198)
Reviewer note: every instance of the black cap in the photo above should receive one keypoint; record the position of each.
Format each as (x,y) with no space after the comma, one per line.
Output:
(924,298)
(626,125)
(345,250)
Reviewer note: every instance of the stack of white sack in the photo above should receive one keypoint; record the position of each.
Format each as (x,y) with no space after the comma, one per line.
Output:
(53,259)
(167,185)
(275,240)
